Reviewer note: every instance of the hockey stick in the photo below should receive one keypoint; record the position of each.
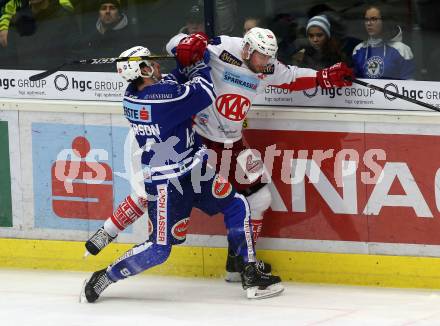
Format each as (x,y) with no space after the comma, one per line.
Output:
(99,61)
(403,97)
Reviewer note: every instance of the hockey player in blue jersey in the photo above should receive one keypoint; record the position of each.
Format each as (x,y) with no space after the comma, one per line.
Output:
(177,175)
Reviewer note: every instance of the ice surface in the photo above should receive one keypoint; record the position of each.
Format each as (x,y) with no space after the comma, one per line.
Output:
(29,297)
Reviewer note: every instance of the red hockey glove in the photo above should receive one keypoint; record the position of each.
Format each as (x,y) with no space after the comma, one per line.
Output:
(338,75)
(190,50)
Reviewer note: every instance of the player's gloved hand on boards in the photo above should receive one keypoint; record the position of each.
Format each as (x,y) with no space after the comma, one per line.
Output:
(338,75)
(191,49)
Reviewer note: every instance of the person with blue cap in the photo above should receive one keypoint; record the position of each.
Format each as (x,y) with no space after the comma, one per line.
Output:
(323,49)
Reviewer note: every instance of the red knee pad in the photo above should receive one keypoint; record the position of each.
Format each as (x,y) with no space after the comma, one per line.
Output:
(129,211)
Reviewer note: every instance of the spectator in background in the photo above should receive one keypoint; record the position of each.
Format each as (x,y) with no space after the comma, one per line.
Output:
(284,27)
(42,35)
(338,28)
(195,21)
(110,17)
(111,35)
(8,9)
(225,17)
(323,49)
(251,22)
(382,55)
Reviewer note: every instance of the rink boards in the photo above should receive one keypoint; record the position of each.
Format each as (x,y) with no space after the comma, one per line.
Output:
(356,194)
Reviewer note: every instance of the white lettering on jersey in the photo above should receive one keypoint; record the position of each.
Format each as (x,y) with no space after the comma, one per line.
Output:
(189,138)
(146,130)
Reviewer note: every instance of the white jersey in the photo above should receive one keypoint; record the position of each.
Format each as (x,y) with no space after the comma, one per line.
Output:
(236,87)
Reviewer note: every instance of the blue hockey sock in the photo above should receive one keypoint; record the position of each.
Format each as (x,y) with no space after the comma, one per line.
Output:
(138,259)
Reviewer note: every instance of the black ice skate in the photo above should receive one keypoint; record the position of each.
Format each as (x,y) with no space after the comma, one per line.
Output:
(93,288)
(259,285)
(234,266)
(98,241)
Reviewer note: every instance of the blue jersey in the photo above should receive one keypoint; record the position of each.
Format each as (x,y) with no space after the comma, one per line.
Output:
(160,117)
(389,60)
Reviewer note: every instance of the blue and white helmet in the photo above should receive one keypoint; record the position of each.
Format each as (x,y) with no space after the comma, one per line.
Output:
(131,70)
(261,40)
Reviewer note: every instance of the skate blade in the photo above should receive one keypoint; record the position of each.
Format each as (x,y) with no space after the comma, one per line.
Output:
(271,291)
(232,277)
(82,295)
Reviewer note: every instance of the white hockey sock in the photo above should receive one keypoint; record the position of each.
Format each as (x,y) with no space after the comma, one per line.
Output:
(111,228)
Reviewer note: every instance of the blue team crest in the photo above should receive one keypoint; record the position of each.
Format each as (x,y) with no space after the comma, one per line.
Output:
(374,67)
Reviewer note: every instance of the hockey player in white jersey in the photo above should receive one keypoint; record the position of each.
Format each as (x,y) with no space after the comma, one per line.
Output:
(241,69)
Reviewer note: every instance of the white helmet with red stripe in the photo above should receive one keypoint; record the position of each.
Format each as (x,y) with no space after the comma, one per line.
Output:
(260,40)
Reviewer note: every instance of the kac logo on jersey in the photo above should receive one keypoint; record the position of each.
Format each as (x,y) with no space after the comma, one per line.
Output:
(221,188)
(374,67)
(137,112)
(233,106)
(180,229)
